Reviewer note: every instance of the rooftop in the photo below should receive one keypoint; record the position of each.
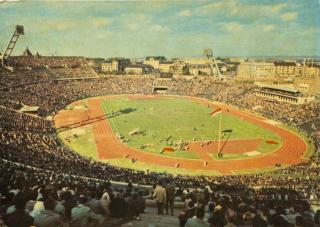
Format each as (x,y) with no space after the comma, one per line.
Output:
(160,58)
(167,62)
(291,90)
(27,53)
(283,63)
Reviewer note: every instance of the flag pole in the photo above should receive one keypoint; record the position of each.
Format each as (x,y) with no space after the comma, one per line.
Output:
(219,141)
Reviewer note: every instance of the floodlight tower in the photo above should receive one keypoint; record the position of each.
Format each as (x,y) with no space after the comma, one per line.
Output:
(209,54)
(18,31)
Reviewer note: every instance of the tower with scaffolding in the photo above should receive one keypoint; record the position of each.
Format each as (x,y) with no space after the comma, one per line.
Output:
(19,30)
(212,62)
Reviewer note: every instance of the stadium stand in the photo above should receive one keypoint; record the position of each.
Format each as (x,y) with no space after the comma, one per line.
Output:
(39,174)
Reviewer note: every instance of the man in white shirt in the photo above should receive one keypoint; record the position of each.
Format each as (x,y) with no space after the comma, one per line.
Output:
(47,217)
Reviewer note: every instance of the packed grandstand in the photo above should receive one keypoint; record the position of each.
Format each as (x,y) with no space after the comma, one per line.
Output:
(37,167)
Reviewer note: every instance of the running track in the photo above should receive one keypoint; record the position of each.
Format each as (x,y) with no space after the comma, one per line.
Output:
(108,146)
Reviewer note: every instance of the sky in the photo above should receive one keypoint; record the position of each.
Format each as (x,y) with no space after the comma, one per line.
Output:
(168,28)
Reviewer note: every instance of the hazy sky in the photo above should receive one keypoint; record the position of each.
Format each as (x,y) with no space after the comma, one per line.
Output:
(170,28)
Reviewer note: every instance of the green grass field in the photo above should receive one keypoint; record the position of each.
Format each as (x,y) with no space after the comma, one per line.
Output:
(175,117)
(165,121)
(84,144)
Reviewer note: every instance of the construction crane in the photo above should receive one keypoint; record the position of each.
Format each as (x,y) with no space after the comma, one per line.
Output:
(18,31)
(212,62)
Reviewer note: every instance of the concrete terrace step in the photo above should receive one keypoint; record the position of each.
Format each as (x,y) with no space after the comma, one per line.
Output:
(154,220)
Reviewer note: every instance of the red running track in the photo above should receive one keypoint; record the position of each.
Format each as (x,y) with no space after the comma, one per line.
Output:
(109,147)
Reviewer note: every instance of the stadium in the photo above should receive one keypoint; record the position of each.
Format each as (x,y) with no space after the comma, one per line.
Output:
(129,145)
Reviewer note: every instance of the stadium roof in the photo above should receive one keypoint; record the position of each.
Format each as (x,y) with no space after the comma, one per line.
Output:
(292,90)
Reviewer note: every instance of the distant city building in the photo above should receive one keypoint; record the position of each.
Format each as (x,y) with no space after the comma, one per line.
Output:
(287,69)
(110,67)
(115,65)
(197,70)
(236,59)
(136,70)
(277,69)
(154,61)
(198,66)
(180,68)
(256,70)
(196,61)
(223,67)
(310,70)
(201,66)
(165,66)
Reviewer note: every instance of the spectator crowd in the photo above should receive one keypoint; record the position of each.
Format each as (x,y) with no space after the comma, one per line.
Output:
(42,181)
